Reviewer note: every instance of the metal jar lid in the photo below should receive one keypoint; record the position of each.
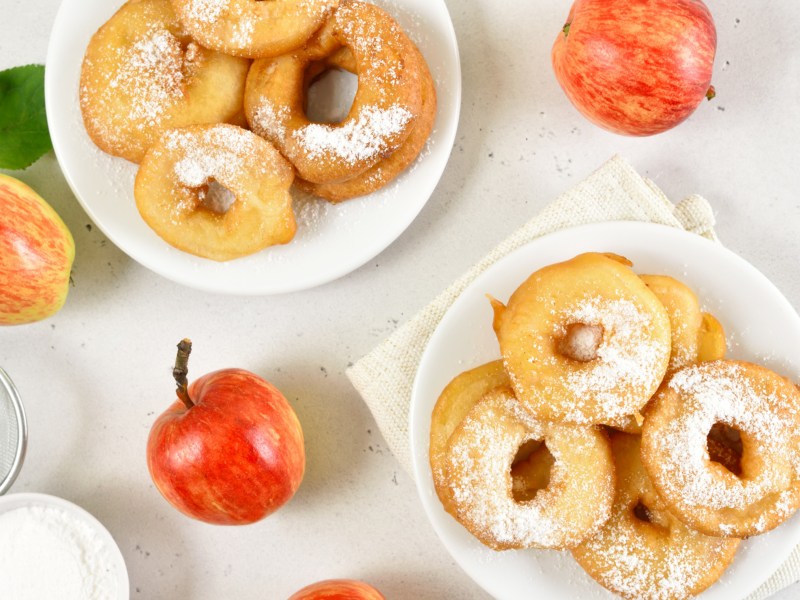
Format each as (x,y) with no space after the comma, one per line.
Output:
(13,432)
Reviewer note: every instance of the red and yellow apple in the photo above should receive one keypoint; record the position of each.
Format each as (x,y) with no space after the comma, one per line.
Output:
(229,450)
(338,589)
(636,67)
(36,254)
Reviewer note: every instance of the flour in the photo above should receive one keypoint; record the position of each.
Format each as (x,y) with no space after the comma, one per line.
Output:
(47,553)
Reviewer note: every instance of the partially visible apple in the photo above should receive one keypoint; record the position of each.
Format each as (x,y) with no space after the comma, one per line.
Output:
(36,254)
(230,450)
(636,67)
(338,589)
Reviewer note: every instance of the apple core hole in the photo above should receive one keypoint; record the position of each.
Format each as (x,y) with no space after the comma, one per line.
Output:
(725,447)
(641,512)
(581,341)
(215,197)
(330,96)
(531,470)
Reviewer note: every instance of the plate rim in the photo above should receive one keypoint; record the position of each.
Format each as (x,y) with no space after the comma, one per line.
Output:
(420,466)
(264,286)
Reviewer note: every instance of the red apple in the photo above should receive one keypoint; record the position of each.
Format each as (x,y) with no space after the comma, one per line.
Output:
(636,67)
(230,450)
(36,254)
(338,589)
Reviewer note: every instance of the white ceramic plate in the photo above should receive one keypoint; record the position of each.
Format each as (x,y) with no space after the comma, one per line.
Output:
(761,325)
(331,240)
(115,560)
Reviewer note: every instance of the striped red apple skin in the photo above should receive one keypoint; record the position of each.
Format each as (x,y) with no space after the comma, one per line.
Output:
(235,457)
(36,255)
(338,589)
(636,67)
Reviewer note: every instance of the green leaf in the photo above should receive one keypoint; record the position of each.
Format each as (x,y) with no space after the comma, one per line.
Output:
(24,136)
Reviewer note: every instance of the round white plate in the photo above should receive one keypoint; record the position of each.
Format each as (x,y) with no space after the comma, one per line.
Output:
(14,501)
(331,241)
(761,325)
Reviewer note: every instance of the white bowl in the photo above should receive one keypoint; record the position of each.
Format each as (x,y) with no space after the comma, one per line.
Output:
(26,500)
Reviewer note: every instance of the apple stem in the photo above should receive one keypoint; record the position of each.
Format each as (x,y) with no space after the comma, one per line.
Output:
(711,93)
(181,370)
(565,29)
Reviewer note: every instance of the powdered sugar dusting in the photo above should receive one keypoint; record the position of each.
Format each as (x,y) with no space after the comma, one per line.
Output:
(355,140)
(217,152)
(238,20)
(150,80)
(206,11)
(664,565)
(270,120)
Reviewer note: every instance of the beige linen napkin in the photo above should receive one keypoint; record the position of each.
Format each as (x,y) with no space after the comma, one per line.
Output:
(615,192)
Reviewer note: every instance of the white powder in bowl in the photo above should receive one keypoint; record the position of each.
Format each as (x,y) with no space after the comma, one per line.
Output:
(46,552)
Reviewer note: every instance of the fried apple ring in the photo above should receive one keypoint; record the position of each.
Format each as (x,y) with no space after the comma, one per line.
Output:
(765,410)
(143,74)
(216,191)
(389,168)
(584,341)
(478,469)
(531,468)
(252,28)
(643,552)
(385,109)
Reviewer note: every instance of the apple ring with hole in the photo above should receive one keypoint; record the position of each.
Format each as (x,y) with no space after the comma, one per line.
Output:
(643,552)
(388,169)
(764,409)
(584,341)
(384,112)
(143,74)
(478,464)
(253,28)
(216,191)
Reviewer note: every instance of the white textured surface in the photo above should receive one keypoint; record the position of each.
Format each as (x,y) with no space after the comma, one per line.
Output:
(94,376)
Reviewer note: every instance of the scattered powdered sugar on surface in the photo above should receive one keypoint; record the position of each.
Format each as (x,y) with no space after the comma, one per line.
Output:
(46,552)
(354,140)
(725,392)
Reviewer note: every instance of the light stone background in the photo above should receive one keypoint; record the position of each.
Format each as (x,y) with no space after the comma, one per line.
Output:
(94,377)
